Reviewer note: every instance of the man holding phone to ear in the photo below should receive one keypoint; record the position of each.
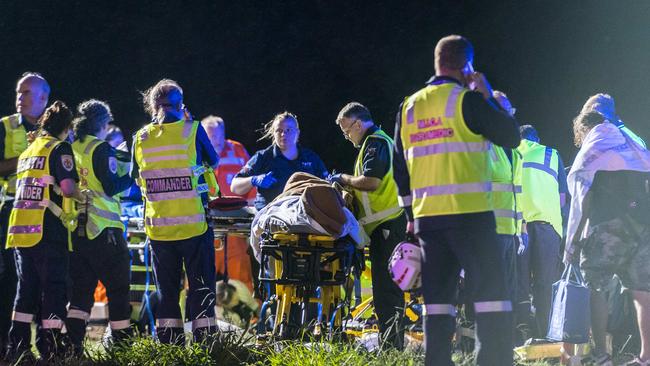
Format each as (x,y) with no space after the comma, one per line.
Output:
(442,168)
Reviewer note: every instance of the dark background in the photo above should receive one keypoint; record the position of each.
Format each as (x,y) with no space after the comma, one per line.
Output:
(247,61)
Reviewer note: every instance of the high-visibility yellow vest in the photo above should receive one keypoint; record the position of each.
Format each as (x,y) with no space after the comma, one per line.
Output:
(15,143)
(540,198)
(380,205)
(32,194)
(102,211)
(506,190)
(448,164)
(166,156)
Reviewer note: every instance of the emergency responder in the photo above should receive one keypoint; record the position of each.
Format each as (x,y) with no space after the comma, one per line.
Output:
(604,104)
(32,93)
(378,211)
(269,169)
(100,248)
(443,173)
(169,158)
(543,195)
(232,157)
(38,229)
(506,191)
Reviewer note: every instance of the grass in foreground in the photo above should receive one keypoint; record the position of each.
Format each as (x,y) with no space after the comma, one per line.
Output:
(229,349)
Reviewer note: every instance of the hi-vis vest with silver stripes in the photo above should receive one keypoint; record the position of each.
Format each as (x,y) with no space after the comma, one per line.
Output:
(448,164)
(166,156)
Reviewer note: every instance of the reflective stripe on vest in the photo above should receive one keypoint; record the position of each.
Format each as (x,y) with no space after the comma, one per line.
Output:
(448,164)
(444,148)
(540,197)
(32,194)
(546,165)
(380,205)
(166,156)
(102,210)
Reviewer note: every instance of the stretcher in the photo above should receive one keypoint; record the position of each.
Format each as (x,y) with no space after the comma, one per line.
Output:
(303,275)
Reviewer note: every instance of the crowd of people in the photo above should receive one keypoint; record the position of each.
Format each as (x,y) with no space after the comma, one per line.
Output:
(484,198)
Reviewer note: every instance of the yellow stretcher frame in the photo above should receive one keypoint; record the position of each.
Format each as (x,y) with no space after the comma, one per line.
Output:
(288,294)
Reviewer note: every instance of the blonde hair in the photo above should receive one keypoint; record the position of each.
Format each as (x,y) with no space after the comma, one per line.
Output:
(268,131)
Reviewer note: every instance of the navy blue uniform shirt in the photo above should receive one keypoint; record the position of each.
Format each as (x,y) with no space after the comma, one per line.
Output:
(62,166)
(105,168)
(271,159)
(376,158)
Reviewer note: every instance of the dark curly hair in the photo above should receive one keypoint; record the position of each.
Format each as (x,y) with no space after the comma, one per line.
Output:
(93,115)
(56,119)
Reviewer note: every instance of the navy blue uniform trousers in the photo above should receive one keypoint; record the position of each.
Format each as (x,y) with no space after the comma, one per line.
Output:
(197,254)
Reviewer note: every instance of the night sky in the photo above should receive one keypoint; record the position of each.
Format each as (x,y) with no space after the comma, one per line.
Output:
(247,61)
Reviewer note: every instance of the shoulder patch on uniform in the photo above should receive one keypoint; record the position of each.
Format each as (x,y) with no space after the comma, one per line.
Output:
(371,151)
(67,162)
(112,164)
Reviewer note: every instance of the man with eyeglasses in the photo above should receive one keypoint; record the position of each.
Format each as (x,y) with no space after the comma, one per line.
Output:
(383,220)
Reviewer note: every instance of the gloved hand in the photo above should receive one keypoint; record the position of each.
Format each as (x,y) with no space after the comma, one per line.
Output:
(335,178)
(523,244)
(263,180)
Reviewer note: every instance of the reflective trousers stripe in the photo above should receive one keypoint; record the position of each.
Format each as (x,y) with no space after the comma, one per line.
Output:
(120,324)
(453,189)
(154,159)
(78,314)
(378,216)
(171,221)
(446,147)
(150,150)
(439,309)
(22,317)
(166,173)
(506,187)
(203,323)
(169,323)
(405,201)
(52,324)
(492,306)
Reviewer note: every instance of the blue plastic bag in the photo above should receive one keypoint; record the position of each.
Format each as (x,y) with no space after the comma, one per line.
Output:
(570,316)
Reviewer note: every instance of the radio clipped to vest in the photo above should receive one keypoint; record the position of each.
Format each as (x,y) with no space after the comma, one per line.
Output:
(210,186)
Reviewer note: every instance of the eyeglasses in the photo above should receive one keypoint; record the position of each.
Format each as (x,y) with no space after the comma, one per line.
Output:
(346,131)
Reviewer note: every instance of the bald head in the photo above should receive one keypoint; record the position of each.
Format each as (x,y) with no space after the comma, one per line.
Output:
(32,93)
